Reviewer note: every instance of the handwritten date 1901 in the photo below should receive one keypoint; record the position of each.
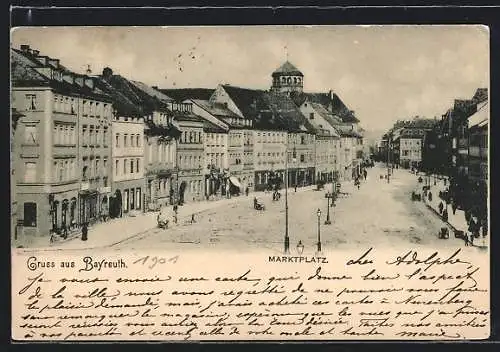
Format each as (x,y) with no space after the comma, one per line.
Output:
(151,261)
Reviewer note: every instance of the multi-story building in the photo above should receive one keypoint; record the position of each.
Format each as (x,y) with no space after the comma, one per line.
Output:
(15,117)
(301,159)
(478,145)
(410,149)
(63,147)
(327,140)
(190,153)
(216,143)
(144,169)
(240,136)
(269,155)
(128,166)
(478,160)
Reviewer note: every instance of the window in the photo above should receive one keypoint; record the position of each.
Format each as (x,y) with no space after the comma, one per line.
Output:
(105,137)
(132,166)
(30,135)
(137,141)
(125,138)
(302,140)
(125,166)
(302,158)
(29,215)
(31,103)
(311,115)
(199,138)
(117,140)
(116,167)
(137,165)
(29,172)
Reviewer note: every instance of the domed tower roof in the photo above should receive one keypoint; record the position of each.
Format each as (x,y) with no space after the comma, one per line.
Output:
(287,69)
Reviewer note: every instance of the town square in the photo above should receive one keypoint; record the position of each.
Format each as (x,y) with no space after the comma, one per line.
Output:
(194,150)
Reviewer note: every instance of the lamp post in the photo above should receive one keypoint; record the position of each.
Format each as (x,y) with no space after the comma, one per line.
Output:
(287,239)
(328,196)
(318,213)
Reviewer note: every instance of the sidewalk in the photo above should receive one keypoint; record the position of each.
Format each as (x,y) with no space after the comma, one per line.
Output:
(119,230)
(455,221)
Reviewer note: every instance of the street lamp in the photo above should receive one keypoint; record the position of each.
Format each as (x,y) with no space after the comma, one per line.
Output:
(300,248)
(287,239)
(328,196)
(318,213)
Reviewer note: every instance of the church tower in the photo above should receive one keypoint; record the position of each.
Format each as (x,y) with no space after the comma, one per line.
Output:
(287,78)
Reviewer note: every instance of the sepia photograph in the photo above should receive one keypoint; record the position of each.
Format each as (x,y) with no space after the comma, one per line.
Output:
(293,144)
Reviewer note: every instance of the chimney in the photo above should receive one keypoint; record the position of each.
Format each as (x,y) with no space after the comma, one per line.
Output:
(107,73)
(36,52)
(25,48)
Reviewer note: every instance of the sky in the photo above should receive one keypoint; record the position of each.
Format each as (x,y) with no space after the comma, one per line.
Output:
(383,73)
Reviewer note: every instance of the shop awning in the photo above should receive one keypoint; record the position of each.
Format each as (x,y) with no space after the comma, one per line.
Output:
(235,181)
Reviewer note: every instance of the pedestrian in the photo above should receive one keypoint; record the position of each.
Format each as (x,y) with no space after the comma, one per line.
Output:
(471,239)
(246,191)
(454,207)
(295,187)
(466,239)
(84,231)
(365,173)
(64,231)
(445,215)
(440,207)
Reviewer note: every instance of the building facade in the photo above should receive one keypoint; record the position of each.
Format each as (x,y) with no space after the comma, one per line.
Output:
(128,181)
(216,145)
(63,145)
(15,117)
(269,156)
(410,151)
(301,161)
(190,153)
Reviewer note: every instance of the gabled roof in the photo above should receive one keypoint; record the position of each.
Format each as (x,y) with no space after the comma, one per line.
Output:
(330,101)
(216,109)
(152,91)
(269,111)
(188,93)
(287,69)
(26,71)
(135,97)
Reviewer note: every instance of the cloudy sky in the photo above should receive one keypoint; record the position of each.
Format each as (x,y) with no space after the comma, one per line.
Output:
(383,73)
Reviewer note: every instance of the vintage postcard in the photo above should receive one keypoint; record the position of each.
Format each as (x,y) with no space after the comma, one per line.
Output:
(250,183)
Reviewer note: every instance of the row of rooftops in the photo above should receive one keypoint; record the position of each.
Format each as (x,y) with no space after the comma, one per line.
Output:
(475,110)
(134,99)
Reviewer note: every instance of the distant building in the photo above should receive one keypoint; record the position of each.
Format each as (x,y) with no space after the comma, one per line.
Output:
(286,79)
